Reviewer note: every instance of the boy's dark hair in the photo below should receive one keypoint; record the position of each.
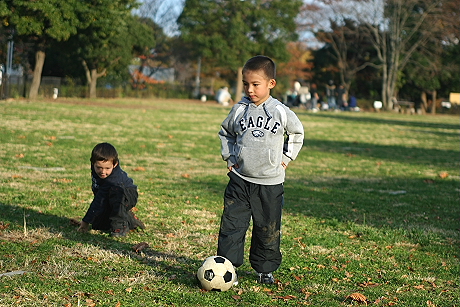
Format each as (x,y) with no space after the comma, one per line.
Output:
(104,152)
(261,62)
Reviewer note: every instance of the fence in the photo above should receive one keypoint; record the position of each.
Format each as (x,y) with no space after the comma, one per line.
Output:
(19,86)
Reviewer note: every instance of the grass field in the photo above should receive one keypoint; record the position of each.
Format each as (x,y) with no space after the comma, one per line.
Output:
(372,207)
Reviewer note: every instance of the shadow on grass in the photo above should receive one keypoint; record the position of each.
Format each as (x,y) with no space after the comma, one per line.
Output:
(401,203)
(176,268)
(420,204)
(396,153)
(396,203)
(392,122)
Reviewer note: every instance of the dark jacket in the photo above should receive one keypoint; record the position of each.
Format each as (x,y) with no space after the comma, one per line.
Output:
(101,190)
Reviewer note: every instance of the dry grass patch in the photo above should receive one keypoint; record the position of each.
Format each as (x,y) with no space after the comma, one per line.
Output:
(33,236)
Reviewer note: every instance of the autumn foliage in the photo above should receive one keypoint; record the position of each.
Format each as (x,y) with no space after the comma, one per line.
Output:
(300,65)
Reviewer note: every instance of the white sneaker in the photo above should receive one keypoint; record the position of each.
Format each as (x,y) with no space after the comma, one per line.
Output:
(235,283)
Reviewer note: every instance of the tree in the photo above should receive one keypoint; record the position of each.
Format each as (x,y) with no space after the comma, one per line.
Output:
(299,66)
(160,53)
(451,67)
(110,44)
(403,28)
(426,69)
(335,25)
(161,16)
(348,48)
(43,22)
(450,42)
(46,22)
(396,30)
(4,11)
(228,32)
(422,74)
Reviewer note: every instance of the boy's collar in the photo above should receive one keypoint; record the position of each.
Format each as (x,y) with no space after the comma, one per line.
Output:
(247,101)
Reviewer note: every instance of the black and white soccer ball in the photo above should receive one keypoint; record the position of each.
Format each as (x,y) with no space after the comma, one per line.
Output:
(216,273)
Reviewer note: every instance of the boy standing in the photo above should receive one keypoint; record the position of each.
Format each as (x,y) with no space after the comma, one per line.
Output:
(114,195)
(259,138)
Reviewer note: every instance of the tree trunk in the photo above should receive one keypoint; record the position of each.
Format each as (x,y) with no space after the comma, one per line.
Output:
(380,45)
(37,76)
(393,64)
(433,105)
(93,84)
(424,102)
(91,77)
(211,90)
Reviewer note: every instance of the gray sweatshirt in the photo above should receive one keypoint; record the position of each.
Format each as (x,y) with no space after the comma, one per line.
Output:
(259,138)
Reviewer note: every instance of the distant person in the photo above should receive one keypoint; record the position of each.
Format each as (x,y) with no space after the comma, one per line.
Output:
(304,96)
(223,96)
(353,103)
(259,137)
(322,103)
(314,97)
(295,96)
(331,93)
(324,106)
(297,86)
(114,195)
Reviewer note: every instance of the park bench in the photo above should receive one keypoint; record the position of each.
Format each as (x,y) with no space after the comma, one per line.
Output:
(404,106)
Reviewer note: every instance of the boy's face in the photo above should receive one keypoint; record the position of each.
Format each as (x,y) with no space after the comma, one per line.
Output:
(104,168)
(257,86)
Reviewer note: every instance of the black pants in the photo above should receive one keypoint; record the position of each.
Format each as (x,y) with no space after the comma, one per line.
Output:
(117,214)
(264,203)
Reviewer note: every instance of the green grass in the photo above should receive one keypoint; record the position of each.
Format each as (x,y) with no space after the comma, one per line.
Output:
(372,206)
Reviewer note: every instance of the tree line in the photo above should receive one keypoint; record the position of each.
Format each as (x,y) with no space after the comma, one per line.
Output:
(84,37)
(405,48)
(379,49)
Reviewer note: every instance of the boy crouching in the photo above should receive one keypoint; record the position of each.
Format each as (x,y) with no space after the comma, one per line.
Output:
(115,194)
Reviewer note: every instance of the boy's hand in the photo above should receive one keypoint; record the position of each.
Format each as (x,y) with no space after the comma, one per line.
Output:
(84,227)
(234,166)
(75,222)
(284,165)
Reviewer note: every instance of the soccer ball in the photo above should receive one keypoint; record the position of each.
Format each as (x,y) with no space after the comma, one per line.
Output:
(216,273)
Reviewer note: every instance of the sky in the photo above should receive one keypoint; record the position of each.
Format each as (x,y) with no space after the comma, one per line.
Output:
(176,6)
(164,13)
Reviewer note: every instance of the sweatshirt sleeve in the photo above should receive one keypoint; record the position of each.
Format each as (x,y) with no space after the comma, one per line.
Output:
(295,135)
(227,137)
